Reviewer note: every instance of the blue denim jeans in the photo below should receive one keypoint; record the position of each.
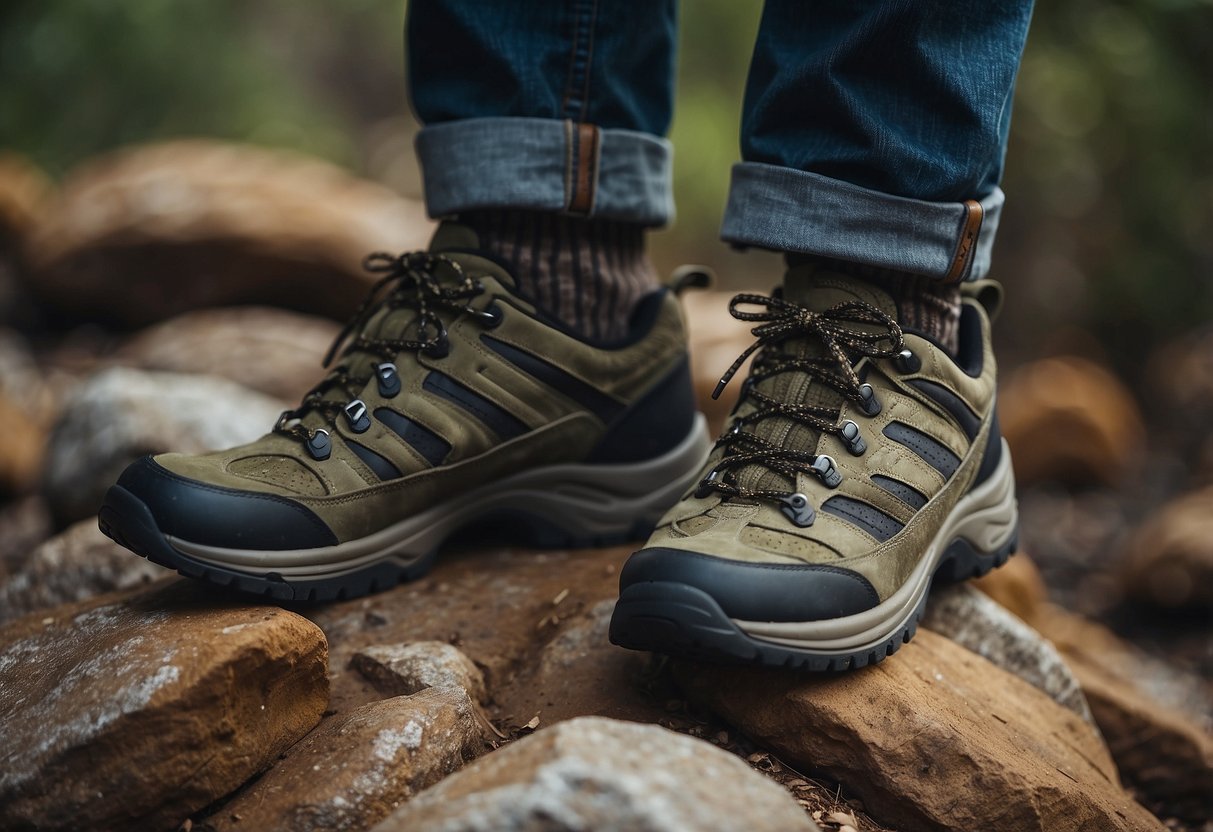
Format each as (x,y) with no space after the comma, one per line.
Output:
(871,131)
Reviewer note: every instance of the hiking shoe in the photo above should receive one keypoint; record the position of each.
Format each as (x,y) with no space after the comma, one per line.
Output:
(453,402)
(860,462)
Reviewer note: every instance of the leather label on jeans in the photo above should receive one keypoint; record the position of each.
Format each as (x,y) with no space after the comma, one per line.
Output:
(966,249)
(581,175)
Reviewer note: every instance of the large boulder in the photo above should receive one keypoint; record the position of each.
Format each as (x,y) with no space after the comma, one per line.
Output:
(148,232)
(934,738)
(135,713)
(357,767)
(1070,420)
(272,351)
(121,414)
(605,775)
(75,565)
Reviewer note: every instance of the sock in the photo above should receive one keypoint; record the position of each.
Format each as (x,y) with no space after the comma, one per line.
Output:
(587,274)
(924,304)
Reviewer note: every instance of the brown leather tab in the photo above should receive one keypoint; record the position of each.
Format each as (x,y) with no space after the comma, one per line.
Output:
(966,249)
(582,173)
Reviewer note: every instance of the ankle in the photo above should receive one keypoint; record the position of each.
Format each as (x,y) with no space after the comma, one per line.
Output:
(587,274)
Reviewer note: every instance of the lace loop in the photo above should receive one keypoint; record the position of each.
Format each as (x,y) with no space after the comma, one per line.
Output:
(845,331)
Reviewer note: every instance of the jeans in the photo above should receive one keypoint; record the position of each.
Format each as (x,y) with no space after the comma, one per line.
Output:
(872,131)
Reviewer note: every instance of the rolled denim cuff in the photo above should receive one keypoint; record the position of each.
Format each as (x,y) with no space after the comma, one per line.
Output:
(792,210)
(542,164)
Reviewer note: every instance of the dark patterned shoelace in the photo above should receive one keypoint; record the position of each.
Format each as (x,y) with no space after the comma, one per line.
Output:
(410,281)
(779,323)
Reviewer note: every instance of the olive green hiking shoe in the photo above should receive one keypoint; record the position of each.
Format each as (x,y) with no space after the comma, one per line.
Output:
(861,462)
(453,402)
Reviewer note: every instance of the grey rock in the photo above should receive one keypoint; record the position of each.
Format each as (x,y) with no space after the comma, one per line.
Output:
(606,775)
(73,566)
(976,622)
(121,414)
(401,669)
(23,525)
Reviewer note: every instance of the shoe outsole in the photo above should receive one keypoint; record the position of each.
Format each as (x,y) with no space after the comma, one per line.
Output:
(126,520)
(683,621)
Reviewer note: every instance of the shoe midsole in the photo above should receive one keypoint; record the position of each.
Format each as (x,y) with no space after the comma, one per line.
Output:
(986,518)
(588,500)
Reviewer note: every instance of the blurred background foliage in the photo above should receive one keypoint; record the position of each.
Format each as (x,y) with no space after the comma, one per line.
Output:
(1107,239)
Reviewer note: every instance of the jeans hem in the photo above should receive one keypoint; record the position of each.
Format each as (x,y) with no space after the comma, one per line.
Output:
(542,164)
(790,210)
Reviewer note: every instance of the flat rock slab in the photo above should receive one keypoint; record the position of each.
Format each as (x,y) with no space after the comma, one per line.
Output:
(136,712)
(354,769)
(402,669)
(934,738)
(606,775)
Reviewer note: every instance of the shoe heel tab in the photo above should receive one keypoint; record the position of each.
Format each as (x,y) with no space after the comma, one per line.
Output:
(988,293)
(690,276)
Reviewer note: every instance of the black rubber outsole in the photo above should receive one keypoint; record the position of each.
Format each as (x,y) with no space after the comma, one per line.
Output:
(683,621)
(126,520)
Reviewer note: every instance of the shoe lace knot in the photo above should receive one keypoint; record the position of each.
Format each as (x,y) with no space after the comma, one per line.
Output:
(824,345)
(436,287)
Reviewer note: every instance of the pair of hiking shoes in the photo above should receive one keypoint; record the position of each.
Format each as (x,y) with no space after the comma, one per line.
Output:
(861,461)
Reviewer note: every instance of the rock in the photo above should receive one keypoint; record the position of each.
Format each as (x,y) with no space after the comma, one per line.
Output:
(1168,561)
(23,525)
(148,232)
(973,620)
(73,566)
(716,339)
(605,775)
(1158,723)
(135,713)
(356,768)
(22,445)
(934,738)
(120,414)
(1069,419)
(25,191)
(1016,585)
(272,351)
(399,669)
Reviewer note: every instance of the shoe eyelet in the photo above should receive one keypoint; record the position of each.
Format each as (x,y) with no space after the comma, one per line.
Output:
(851,437)
(319,445)
(492,316)
(907,362)
(827,471)
(441,348)
(355,414)
(702,490)
(796,507)
(868,401)
(389,379)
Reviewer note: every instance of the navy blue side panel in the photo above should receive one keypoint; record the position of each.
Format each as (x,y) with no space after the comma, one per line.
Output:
(949,401)
(935,454)
(655,424)
(907,494)
(432,447)
(501,422)
(382,466)
(869,518)
(592,399)
(992,455)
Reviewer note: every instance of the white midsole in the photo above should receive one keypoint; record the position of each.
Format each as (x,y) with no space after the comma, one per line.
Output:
(986,517)
(592,500)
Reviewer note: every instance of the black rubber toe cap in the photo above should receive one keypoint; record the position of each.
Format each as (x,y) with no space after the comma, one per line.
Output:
(757,591)
(215,516)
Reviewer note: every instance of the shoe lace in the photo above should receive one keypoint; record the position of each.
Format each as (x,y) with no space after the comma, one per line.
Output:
(778,323)
(410,281)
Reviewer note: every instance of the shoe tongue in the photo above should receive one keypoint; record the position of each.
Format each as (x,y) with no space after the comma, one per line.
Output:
(451,234)
(817,289)
(461,243)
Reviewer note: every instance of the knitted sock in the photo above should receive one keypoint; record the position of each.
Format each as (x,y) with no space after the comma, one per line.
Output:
(924,304)
(587,274)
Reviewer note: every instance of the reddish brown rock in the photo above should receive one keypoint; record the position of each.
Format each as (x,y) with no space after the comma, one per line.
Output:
(1157,722)
(1168,562)
(24,193)
(137,712)
(934,738)
(74,565)
(22,447)
(356,768)
(606,775)
(402,669)
(148,232)
(1016,585)
(272,351)
(1069,419)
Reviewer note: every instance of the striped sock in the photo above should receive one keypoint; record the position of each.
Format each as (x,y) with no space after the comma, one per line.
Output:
(587,274)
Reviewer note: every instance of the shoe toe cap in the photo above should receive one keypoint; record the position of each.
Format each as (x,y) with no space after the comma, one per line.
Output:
(756,591)
(213,515)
